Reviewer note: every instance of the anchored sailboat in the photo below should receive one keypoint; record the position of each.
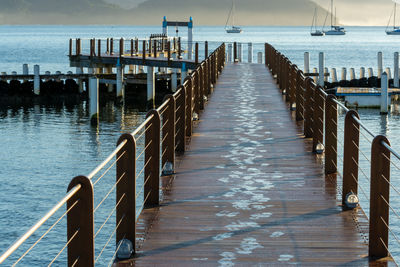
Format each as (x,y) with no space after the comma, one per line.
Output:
(232,28)
(335,30)
(396,29)
(314,31)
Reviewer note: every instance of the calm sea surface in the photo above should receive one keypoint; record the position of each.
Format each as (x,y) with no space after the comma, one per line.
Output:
(43,147)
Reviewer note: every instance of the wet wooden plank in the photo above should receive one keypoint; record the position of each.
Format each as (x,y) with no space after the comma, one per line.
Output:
(249,192)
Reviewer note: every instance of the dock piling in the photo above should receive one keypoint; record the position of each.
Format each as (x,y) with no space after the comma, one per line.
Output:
(25,70)
(352,74)
(370,72)
(306,62)
(36,80)
(230,52)
(120,80)
(240,52)
(380,64)
(94,100)
(321,69)
(344,74)
(250,53)
(362,73)
(388,73)
(334,75)
(259,57)
(384,93)
(151,90)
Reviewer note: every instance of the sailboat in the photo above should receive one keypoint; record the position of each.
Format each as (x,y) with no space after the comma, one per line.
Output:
(314,26)
(396,29)
(335,30)
(232,28)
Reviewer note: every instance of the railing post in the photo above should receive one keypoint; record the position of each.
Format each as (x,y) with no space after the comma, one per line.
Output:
(308,108)
(152,160)
(235,52)
(132,47)
(111,46)
(180,120)
(121,47)
(196,53)
(318,121)
(70,47)
(331,120)
(168,134)
(126,190)
(144,51)
(80,223)
(201,87)
(189,106)
(196,91)
(379,197)
(350,154)
(99,48)
(299,96)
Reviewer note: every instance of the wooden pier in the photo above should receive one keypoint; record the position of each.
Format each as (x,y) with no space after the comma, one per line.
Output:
(240,167)
(249,191)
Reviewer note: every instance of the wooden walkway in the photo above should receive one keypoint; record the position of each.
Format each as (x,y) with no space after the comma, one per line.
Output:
(249,192)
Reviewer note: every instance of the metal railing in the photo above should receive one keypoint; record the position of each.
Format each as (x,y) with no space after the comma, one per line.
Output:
(164,132)
(319,113)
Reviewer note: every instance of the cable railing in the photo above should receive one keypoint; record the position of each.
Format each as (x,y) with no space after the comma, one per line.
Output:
(369,164)
(136,184)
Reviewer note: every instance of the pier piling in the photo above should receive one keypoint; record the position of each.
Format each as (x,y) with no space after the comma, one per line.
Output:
(334,75)
(384,93)
(344,74)
(380,64)
(230,52)
(321,69)
(94,100)
(362,73)
(151,90)
(306,62)
(250,52)
(36,80)
(259,57)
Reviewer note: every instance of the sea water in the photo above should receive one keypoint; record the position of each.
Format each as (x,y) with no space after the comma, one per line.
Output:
(42,147)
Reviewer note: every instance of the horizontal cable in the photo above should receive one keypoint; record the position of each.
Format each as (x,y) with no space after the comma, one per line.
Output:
(142,125)
(109,216)
(391,150)
(109,192)
(108,159)
(48,230)
(66,245)
(341,105)
(363,126)
(144,149)
(387,203)
(144,167)
(109,239)
(109,168)
(164,106)
(33,229)
(143,185)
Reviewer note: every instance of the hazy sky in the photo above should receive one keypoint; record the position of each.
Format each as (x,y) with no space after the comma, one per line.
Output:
(361,12)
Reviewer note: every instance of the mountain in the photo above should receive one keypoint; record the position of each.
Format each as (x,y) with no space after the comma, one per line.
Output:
(151,12)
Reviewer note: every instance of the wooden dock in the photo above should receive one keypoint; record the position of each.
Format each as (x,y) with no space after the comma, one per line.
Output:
(249,191)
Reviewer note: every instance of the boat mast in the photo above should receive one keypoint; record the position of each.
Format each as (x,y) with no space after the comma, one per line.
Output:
(233,13)
(394,19)
(331,13)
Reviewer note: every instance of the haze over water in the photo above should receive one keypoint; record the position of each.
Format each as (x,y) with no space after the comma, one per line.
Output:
(44,147)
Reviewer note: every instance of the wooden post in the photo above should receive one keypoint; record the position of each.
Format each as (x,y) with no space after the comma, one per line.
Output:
(196,53)
(111,46)
(235,55)
(205,50)
(189,106)
(132,42)
(321,75)
(350,154)
(380,64)
(299,96)
(126,188)
(318,121)
(180,119)
(331,120)
(80,223)
(151,89)
(70,47)
(169,52)
(144,51)
(108,46)
(306,62)
(179,48)
(201,86)
(168,134)
(379,197)
(230,53)
(152,155)
(99,48)
(250,53)
(155,49)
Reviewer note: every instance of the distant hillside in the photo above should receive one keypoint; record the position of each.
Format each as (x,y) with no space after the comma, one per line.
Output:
(150,12)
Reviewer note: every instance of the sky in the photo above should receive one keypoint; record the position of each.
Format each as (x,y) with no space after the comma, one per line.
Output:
(361,12)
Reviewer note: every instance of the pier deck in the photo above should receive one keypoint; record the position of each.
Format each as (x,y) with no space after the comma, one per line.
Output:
(249,191)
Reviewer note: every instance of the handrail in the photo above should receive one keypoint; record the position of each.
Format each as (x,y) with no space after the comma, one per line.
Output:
(37,225)
(319,112)
(175,120)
